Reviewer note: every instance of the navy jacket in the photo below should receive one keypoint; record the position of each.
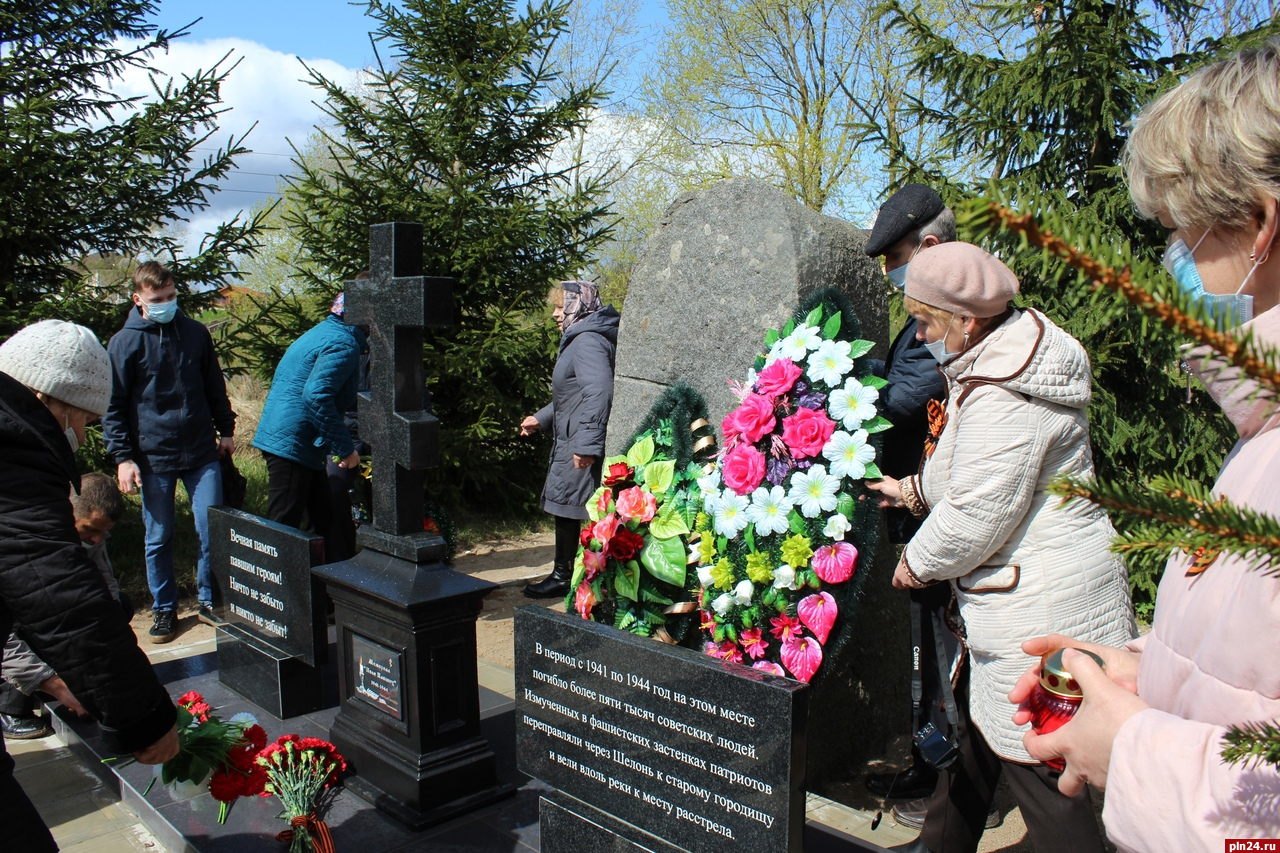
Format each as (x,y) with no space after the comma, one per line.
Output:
(51,591)
(581,398)
(168,396)
(315,383)
(914,380)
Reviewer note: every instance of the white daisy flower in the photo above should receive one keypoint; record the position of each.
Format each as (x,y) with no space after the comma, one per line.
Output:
(742,592)
(849,454)
(710,486)
(853,404)
(837,527)
(768,510)
(814,491)
(830,363)
(731,513)
(797,345)
(784,577)
(722,604)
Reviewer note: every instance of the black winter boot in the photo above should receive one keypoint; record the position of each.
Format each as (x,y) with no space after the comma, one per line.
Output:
(554,585)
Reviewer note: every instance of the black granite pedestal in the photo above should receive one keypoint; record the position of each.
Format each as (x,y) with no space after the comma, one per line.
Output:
(272,679)
(409,717)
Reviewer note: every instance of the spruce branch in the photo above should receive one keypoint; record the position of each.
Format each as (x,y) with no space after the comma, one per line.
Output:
(1240,351)
(1252,744)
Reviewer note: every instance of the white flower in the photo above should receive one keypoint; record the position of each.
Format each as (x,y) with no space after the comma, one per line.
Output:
(710,486)
(837,527)
(849,454)
(784,577)
(704,576)
(752,376)
(831,363)
(853,404)
(731,513)
(722,604)
(768,510)
(797,345)
(814,491)
(742,592)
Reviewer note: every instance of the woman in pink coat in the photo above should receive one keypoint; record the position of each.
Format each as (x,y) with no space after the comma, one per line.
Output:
(1204,160)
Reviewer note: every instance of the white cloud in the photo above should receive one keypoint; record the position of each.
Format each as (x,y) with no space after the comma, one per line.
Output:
(268,88)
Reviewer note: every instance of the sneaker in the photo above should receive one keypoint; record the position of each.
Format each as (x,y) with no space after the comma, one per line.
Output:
(912,814)
(23,728)
(162,630)
(209,616)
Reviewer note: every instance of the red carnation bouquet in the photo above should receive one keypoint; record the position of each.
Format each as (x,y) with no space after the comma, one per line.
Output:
(240,775)
(302,771)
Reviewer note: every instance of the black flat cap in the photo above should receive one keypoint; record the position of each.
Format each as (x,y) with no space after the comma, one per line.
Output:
(904,212)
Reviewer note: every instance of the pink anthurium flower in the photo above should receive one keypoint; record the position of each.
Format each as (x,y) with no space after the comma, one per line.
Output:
(818,613)
(802,656)
(834,563)
(769,667)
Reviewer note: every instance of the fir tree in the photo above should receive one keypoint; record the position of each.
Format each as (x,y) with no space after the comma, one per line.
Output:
(457,128)
(90,178)
(1047,121)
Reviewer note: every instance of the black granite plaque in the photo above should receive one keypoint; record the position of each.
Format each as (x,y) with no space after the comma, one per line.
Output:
(376,676)
(264,572)
(702,753)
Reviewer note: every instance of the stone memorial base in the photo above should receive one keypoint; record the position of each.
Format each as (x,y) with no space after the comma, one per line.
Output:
(272,679)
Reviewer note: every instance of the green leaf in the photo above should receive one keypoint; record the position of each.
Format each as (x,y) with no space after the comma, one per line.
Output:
(665,559)
(592,512)
(796,523)
(789,328)
(832,327)
(815,316)
(659,476)
(749,536)
(623,620)
(860,348)
(579,572)
(876,424)
(874,382)
(771,337)
(845,504)
(668,522)
(648,593)
(641,452)
(626,579)
(873,472)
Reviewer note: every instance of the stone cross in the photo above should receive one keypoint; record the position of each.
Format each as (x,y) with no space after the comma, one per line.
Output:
(395,303)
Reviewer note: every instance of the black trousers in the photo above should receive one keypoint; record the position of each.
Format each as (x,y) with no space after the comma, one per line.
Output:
(14,702)
(295,492)
(960,803)
(342,529)
(24,829)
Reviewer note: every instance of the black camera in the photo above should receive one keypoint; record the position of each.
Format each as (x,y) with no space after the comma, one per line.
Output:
(938,750)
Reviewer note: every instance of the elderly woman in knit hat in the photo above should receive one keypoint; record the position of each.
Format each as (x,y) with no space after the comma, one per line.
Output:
(54,379)
(1020,561)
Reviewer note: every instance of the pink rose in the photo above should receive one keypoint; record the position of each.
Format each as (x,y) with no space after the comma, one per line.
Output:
(754,419)
(584,599)
(636,503)
(605,528)
(778,378)
(743,469)
(806,432)
(594,562)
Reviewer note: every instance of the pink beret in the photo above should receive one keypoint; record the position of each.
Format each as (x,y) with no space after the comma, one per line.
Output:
(962,278)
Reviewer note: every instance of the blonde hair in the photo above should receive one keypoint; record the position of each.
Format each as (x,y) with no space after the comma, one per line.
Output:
(555,295)
(943,317)
(1206,152)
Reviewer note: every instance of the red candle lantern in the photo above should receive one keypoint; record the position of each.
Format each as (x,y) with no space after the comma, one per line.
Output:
(1056,698)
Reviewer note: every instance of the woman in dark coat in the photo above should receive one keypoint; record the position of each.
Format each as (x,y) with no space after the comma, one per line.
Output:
(581,396)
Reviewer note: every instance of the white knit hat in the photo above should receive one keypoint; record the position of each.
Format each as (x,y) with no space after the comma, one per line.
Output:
(62,360)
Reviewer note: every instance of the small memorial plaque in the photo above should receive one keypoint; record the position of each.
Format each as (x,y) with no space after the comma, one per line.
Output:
(376,676)
(264,571)
(702,753)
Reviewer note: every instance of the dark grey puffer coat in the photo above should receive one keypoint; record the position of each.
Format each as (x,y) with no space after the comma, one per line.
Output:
(581,396)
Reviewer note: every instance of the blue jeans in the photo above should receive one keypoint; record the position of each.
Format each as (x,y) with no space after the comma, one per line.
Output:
(204,487)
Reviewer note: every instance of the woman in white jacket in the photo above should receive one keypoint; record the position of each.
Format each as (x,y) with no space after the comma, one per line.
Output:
(1020,561)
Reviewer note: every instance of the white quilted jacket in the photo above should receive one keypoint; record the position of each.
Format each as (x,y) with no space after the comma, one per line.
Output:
(1022,563)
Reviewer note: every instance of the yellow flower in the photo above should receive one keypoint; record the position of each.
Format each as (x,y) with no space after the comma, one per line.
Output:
(706,549)
(722,574)
(796,551)
(758,568)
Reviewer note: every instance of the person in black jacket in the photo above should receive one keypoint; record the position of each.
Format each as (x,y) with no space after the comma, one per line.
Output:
(55,378)
(169,419)
(913,219)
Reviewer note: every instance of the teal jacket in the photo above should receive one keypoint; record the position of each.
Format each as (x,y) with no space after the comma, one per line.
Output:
(314,384)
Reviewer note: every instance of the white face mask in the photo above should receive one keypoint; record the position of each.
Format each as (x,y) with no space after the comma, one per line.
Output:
(70,433)
(938,348)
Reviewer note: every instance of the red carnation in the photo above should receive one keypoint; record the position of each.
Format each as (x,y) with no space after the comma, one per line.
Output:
(625,544)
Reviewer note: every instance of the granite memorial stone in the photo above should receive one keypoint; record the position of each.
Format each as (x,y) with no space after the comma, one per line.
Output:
(409,717)
(274,641)
(700,753)
(724,265)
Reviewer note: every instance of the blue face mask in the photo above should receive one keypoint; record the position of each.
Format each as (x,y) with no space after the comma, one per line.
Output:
(938,348)
(1228,309)
(162,312)
(898,277)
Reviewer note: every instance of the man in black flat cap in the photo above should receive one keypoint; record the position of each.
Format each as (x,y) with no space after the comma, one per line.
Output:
(913,219)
